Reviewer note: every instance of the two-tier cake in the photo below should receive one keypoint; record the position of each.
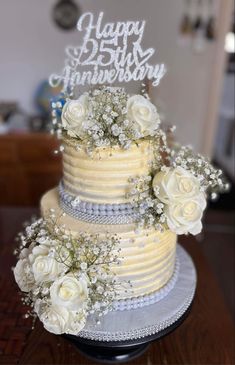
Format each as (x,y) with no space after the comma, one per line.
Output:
(107,236)
(101,182)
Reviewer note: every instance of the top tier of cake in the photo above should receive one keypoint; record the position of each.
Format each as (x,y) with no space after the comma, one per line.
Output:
(103,177)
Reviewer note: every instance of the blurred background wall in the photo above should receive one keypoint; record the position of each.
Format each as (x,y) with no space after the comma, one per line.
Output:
(32,47)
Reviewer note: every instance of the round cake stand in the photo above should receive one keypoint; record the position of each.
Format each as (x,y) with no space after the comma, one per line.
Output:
(123,335)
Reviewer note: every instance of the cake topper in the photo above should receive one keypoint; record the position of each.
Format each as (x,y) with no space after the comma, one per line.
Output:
(110,52)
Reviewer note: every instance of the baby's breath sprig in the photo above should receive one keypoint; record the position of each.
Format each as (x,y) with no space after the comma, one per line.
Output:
(211,179)
(89,255)
(161,150)
(108,117)
(107,123)
(94,257)
(33,230)
(57,104)
(149,209)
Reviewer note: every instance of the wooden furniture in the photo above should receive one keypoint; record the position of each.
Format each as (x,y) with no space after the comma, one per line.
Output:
(205,337)
(28,167)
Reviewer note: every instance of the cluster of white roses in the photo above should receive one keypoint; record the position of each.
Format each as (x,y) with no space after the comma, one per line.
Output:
(183,199)
(64,279)
(108,116)
(60,299)
(174,196)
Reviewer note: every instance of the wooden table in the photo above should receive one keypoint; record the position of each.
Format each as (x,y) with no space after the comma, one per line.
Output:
(28,161)
(206,336)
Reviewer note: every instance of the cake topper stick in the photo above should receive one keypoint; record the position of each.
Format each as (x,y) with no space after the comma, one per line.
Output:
(110,52)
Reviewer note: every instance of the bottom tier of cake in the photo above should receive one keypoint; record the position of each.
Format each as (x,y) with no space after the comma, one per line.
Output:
(147,257)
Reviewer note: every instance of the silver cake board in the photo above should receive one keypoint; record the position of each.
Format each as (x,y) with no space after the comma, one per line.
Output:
(123,335)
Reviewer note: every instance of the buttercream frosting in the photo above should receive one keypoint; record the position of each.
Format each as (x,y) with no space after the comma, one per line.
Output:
(104,176)
(147,257)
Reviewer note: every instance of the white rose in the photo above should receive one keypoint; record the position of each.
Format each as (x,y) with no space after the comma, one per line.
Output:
(55,319)
(58,320)
(44,267)
(26,251)
(70,291)
(143,113)
(184,216)
(74,113)
(39,250)
(23,275)
(38,307)
(174,184)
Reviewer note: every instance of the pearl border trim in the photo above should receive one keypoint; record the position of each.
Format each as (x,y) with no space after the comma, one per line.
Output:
(96,213)
(142,301)
(187,277)
(142,332)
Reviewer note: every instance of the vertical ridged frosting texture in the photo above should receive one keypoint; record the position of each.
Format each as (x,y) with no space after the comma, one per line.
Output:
(103,177)
(147,257)
(148,262)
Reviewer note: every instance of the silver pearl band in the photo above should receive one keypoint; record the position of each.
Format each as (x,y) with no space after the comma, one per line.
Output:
(96,213)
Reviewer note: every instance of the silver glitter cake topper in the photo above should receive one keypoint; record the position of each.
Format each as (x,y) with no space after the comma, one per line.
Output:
(110,52)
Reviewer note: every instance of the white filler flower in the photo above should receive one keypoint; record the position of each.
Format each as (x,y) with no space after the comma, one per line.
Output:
(184,203)
(185,216)
(70,291)
(58,320)
(44,267)
(55,319)
(143,113)
(23,275)
(74,114)
(175,184)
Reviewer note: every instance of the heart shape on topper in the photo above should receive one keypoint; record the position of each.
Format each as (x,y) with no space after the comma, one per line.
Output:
(87,63)
(141,56)
(73,52)
(55,80)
